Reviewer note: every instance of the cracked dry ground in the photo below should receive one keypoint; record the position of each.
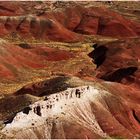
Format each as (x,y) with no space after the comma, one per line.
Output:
(69,70)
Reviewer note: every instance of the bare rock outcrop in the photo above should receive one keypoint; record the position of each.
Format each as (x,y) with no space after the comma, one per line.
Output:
(64,114)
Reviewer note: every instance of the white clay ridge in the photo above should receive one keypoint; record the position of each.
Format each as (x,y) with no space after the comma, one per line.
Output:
(71,104)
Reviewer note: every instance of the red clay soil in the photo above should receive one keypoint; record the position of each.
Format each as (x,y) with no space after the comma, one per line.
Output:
(12,8)
(68,24)
(11,62)
(52,54)
(118,113)
(130,108)
(120,63)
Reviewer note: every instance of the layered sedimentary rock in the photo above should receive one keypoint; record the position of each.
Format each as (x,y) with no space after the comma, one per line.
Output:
(67,25)
(96,110)
(69,70)
(118,62)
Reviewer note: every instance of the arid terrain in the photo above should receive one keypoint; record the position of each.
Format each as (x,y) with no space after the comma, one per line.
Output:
(69,70)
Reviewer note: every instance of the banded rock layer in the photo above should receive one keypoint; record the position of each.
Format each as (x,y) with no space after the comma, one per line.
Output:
(41,41)
(98,110)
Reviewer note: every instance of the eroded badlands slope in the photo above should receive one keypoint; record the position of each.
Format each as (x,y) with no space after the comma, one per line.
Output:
(94,110)
(69,70)
(68,24)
